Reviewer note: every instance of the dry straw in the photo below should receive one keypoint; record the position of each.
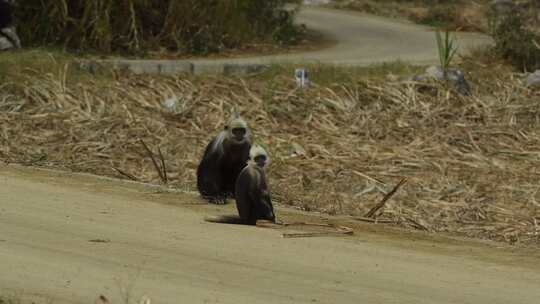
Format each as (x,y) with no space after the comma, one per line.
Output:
(472,164)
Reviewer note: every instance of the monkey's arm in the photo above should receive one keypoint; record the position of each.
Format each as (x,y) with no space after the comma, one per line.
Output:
(265,209)
(242,195)
(209,176)
(267,200)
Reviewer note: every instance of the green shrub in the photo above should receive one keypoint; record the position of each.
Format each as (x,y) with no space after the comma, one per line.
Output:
(286,32)
(446,48)
(439,16)
(135,26)
(515,42)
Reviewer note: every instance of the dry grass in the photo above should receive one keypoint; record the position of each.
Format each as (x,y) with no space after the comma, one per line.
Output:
(471,163)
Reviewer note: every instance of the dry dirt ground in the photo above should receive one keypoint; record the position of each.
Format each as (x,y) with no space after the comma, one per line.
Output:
(67,238)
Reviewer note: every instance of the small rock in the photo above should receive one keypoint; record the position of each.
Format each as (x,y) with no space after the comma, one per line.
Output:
(316,2)
(391,77)
(419,78)
(170,103)
(456,76)
(9,38)
(173,105)
(145,300)
(5,44)
(103,299)
(533,79)
(89,66)
(297,150)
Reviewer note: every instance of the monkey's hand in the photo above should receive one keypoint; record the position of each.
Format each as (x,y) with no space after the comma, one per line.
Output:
(278,222)
(222,200)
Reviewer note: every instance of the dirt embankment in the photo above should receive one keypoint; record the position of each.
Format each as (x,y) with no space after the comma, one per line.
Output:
(337,148)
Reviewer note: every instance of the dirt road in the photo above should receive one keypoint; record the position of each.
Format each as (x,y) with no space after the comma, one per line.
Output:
(363,39)
(366,39)
(69,238)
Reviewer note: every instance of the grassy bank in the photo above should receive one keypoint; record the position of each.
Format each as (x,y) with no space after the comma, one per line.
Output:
(471,161)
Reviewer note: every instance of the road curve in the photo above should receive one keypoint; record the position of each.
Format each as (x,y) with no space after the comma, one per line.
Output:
(360,40)
(365,39)
(69,239)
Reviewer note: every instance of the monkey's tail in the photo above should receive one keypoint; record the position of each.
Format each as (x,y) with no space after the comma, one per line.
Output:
(225,219)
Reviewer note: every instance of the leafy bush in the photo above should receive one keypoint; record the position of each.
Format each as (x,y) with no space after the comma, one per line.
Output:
(515,42)
(286,32)
(135,26)
(439,16)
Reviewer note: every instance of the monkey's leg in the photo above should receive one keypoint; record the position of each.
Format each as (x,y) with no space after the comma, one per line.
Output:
(252,212)
(218,200)
(213,194)
(209,181)
(264,207)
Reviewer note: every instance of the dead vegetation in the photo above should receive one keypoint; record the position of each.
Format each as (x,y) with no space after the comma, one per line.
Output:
(472,164)
(449,14)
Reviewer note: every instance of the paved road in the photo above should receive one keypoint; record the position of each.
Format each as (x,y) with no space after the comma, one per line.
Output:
(364,39)
(360,40)
(69,238)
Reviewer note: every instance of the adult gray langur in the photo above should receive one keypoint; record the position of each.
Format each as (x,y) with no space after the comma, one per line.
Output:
(223,160)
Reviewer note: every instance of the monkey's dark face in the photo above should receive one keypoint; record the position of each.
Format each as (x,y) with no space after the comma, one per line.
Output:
(260,160)
(258,156)
(239,134)
(237,131)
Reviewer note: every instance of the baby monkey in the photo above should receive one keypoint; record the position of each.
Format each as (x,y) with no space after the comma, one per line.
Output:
(251,192)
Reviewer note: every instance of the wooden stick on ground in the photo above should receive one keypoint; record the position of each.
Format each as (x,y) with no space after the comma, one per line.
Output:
(340,230)
(126,174)
(163,167)
(373,220)
(156,165)
(376,208)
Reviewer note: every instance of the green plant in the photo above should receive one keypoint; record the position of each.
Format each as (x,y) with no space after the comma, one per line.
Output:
(438,16)
(286,32)
(446,48)
(515,42)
